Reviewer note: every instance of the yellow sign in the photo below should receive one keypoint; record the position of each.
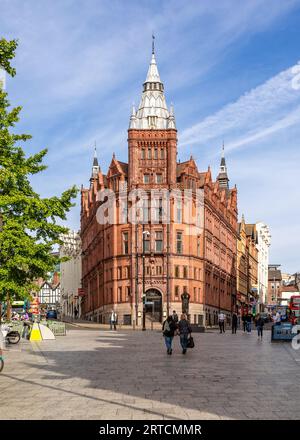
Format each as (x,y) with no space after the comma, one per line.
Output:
(35,334)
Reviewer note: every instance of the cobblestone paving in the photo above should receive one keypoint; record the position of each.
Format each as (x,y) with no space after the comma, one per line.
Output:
(127,375)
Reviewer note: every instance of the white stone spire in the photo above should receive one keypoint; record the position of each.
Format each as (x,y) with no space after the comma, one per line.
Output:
(153,75)
(95,168)
(223,176)
(153,112)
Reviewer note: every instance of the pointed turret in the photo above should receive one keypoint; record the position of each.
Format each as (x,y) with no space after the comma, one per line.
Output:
(132,123)
(171,119)
(223,176)
(153,75)
(95,168)
(153,111)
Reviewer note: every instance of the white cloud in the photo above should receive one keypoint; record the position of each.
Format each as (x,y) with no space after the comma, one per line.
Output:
(258,113)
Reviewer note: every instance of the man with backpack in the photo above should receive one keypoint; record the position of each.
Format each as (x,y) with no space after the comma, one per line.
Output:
(169,328)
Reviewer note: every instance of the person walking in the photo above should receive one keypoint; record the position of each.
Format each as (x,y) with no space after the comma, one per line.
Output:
(185,330)
(76,312)
(113,320)
(169,328)
(249,323)
(234,323)
(175,317)
(2,339)
(244,322)
(260,325)
(278,318)
(221,319)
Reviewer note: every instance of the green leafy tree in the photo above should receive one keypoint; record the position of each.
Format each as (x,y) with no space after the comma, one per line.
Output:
(29,226)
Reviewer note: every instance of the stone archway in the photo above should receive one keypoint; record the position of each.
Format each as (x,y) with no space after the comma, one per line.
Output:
(153,304)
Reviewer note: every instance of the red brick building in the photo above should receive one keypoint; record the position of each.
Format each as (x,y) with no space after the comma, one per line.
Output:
(194,252)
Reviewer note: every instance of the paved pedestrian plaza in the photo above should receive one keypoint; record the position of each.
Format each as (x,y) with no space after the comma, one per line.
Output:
(98,374)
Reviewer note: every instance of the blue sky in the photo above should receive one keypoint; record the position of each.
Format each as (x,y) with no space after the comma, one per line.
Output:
(229,67)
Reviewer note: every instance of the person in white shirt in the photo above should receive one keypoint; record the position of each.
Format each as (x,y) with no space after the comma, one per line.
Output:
(222,319)
(113,320)
(278,318)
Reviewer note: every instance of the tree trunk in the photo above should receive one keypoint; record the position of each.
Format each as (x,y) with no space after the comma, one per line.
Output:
(8,310)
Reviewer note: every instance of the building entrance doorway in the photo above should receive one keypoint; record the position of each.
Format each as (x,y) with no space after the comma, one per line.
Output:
(153,304)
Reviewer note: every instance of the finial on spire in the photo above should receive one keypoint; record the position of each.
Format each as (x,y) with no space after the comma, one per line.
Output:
(223,162)
(153,38)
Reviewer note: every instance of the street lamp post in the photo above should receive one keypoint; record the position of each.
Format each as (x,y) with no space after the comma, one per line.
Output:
(145,233)
(136,276)
(219,292)
(144,298)
(168,270)
(248,285)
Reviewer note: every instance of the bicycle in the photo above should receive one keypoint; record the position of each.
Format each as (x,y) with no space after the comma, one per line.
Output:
(10,336)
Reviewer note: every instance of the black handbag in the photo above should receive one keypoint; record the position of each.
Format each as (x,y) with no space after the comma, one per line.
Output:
(190,342)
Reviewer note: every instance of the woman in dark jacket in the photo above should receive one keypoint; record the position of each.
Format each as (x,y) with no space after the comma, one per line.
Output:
(234,322)
(249,323)
(169,328)
(184,331)
(260,325)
